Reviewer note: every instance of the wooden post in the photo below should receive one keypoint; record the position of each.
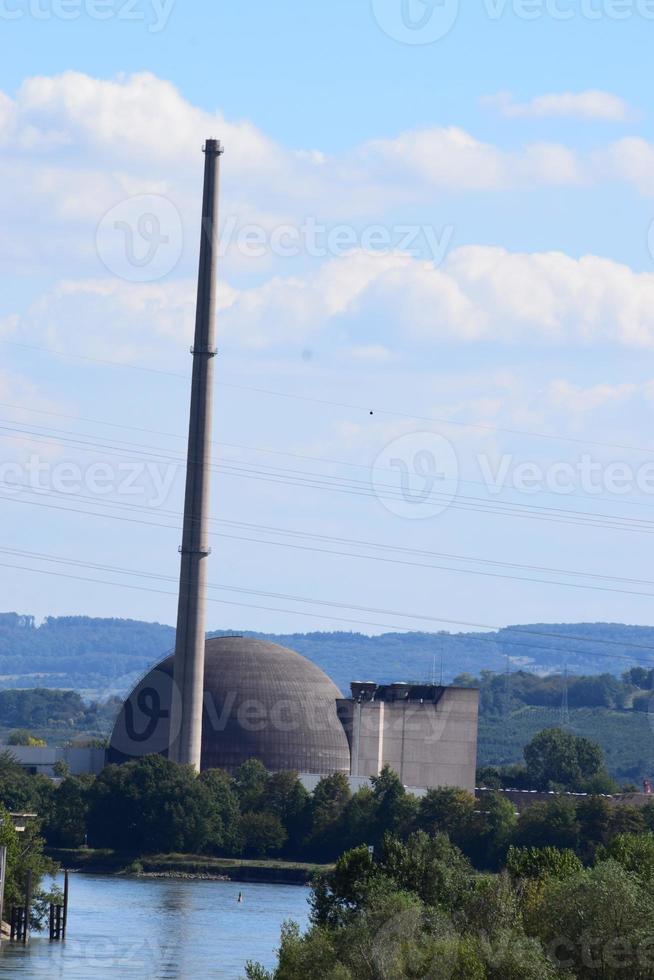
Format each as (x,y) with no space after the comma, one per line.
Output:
(65,920)
(52,920)
(3,873)
(28,906)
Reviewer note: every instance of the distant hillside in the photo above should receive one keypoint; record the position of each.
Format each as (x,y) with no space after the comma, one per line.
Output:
(625,737)
(104,656)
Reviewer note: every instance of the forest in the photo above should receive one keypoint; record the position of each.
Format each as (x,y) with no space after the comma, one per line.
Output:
(437,887)
(100,657)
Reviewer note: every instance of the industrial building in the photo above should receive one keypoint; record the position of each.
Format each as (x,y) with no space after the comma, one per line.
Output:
(263,701)
(426,733)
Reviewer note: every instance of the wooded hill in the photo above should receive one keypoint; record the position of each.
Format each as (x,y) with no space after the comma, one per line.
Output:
(104,656)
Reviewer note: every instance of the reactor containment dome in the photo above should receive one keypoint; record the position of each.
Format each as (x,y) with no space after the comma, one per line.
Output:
(261,701)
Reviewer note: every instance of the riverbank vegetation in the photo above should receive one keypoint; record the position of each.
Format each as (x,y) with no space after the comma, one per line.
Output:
(25,854)
(416,909)
(153,806)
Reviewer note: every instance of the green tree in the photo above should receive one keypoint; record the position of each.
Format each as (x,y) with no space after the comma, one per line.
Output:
(627,820)
(447,811)
(224,836)
(149,806)
(500,823)
(552,824)
(286,798)
(634,852)
(20,792)
(453,812)
(25,853)
(594,815)
(65,825)
(395,809)
(542,862)
(556,758)
(326,808)
(22,737)
(597,923)
(251,781)
(429,866)
(358,822)
(263,834)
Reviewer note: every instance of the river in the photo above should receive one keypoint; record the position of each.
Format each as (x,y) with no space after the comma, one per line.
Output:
(173,929)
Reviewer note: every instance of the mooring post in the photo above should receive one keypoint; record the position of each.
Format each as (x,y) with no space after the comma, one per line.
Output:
(3,872)
(28,906)
(65,921)
(52,921)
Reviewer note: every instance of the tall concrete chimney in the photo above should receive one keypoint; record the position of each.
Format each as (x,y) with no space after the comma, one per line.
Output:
(186,708)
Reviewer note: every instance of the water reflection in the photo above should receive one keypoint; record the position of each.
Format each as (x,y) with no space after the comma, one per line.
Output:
(160,929)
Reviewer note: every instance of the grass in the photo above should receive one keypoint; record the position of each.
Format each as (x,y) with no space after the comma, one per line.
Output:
(240,869)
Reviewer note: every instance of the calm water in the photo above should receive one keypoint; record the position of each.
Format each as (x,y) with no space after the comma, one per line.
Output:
(160,928)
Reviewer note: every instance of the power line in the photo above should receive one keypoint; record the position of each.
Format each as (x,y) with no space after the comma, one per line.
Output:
(300,478)
(55,559)
(279,452)
(336,404)
(378,558)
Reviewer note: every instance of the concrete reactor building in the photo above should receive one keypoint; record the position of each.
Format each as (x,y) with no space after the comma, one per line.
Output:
(263,701)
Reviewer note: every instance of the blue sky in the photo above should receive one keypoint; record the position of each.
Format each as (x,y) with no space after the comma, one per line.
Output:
(454,235)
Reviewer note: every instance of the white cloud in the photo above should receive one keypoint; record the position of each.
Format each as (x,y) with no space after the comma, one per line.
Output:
(630,160)
(574,398)
(592,104)
(75,146)
(452,158)
(370,304)
(480,294)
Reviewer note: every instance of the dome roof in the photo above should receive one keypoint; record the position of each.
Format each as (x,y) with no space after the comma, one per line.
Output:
(261,701)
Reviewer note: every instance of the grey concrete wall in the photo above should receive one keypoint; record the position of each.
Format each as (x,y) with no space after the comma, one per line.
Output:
(79,761)
(428,745)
